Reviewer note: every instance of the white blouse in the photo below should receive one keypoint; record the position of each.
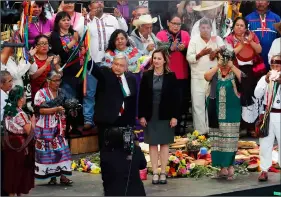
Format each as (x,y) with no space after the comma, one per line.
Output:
(17,71)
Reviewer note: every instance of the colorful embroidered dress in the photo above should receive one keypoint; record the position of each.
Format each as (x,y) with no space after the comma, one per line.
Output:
(228,113)
(133,54)
(52,154)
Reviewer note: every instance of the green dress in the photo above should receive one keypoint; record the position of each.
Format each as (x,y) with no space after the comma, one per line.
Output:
(228,112)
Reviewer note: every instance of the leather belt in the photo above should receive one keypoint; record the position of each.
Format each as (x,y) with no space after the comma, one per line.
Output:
(274,110)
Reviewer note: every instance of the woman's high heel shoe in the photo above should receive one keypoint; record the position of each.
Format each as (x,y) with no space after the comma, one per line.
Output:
(163,181)
(155,181)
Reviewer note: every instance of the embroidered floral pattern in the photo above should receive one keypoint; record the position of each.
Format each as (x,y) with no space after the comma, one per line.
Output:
(133,54)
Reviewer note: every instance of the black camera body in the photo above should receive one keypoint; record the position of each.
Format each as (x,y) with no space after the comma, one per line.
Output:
(120,137)
(227,55)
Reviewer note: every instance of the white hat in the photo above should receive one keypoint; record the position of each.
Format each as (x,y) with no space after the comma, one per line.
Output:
(207,5)
(144,19)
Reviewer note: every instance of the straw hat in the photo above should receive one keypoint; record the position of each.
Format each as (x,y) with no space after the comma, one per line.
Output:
(277,26)
(207,5)
(144,19)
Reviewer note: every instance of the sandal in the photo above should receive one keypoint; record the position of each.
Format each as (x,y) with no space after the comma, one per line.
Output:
(154,182)
(53,181)
(163,181)
(231,174)
(66,181)
(220,175)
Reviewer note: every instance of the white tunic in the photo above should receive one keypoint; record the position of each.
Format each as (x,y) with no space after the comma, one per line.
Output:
(261,92)
(100,31)
(196,45)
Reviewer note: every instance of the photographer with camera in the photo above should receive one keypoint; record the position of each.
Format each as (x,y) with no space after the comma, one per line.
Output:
(121,158)
(224,112)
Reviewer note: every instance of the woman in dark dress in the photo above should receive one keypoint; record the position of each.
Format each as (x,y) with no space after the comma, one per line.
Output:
(159,109)
(120,168)
(18,146)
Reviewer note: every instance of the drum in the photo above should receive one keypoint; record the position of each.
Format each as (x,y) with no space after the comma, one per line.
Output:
(246,54)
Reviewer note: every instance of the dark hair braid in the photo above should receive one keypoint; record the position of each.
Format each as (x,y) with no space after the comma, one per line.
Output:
(15,95)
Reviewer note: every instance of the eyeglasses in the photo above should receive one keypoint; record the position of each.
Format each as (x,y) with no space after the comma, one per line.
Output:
(56,81)
(176,24)
(41,44)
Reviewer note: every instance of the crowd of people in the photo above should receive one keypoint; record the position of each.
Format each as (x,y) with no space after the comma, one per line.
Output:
(141,73)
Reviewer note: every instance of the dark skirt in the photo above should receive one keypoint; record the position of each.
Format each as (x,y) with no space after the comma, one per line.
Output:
(184,86)
(158,131)
(19,167)
(247,88)
(248,85)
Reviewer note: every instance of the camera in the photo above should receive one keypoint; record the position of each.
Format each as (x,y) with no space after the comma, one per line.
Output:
(227,55)
(120,137)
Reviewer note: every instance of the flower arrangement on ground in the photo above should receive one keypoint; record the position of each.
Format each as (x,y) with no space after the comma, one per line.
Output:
(196,141)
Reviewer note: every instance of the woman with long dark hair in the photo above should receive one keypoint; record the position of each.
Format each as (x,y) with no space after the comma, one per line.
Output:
(18,145)
(43,64)
(246,45)
(42,25)
(64,40)
(119,43)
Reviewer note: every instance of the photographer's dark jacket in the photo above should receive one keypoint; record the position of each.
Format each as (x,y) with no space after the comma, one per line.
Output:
(170,99)
(115,172)
(109,97)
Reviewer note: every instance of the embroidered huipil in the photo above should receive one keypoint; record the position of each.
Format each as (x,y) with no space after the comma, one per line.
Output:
(264,30)
(133,54)
(44,121)
(100,31)
(15,124)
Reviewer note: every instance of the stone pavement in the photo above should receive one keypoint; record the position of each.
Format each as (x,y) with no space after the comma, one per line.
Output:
(91,185)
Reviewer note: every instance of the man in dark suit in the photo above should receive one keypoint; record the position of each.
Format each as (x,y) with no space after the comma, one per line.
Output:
(116,96)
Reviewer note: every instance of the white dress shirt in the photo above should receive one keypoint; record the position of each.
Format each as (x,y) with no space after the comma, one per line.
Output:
(274,49)
(4,96)
(100,31)
(202,65)
(261,92)
(126,89)
(16,71)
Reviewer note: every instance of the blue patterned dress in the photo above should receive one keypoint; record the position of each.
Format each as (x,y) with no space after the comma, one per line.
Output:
(52,154)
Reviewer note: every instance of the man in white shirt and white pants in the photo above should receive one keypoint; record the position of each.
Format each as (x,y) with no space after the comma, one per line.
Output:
(100,26)
(263,90)
(198,56)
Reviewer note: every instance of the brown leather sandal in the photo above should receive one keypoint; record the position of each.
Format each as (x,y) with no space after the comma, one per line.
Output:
(66,181)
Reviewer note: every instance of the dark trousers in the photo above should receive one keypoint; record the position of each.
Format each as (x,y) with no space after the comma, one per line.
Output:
(101,129)
(3,193)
